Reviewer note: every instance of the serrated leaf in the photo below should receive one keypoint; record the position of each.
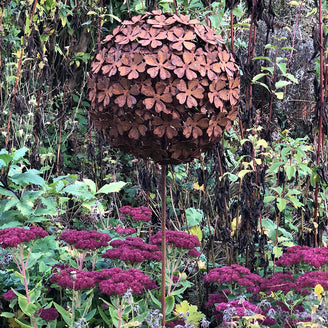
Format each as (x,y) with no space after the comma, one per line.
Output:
(19,154)
(194,216)
(28,177)
(277,251)
(26,307)
(111,187)
(91,185)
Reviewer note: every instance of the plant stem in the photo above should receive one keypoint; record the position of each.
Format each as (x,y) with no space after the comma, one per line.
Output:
(163,228)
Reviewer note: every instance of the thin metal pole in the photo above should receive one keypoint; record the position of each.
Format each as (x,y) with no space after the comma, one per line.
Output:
(163,228)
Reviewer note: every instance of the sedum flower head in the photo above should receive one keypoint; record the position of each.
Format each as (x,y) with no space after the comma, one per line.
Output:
(178,239)
(116,281)
(10,295)
(125,231)
(12,237)
(84,239)
(72,278)
(141,213)
(48,314)
(132,250)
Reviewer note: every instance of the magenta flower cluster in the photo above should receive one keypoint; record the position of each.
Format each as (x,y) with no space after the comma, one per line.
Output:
(239,308)
(48,314)
(84,239)
(12,237)
(296,255)
(235,274)
(283,281)
(141,213)
(125,231)
(132,250)
(116,281)
(73,278)
(179,239)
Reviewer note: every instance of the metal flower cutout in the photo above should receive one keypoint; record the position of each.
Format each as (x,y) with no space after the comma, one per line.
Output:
(163,86)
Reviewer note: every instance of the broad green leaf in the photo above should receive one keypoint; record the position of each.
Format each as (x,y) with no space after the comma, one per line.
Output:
(19,154)
(111,187)
(26,307)
(270,46)
(295,202)
(91,185)
(283,67)
(281,84)
(154,299)
(263,58)
(194,216)
(169,300)
(263,85)
(4,160)
(290,171)
(104,317)
(291,77)
(23,325)
(28,177)
(258,76)
(281,204)
(7,315)
(113,315)
(65,314)
(268,199)
(79,190)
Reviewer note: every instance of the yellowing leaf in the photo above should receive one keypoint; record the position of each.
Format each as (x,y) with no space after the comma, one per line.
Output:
(318,289)
(197,187)
(197,231)
(262,143)
(201,264)
(194,316)
(294,3)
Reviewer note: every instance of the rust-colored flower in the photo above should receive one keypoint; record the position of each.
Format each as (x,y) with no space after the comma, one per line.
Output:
(234,90)
(132,66)
(152,37)
(126,93)
(106,91)
(189,92)
(215,125)
(186,67)
(181,38)
(218,93)
(99,60)
(225,64)
(112,62)
(157,97)
(166,127)
(195,126)
(160,64)
(128,35)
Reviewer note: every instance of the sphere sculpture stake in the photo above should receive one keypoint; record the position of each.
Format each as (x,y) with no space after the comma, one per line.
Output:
(163,87)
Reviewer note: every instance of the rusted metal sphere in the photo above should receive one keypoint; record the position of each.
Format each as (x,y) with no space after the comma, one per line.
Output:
(164,87)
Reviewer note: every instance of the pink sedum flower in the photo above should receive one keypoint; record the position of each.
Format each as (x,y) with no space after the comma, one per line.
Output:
(48,314)
(10,295)
(12,237)
(84,239)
